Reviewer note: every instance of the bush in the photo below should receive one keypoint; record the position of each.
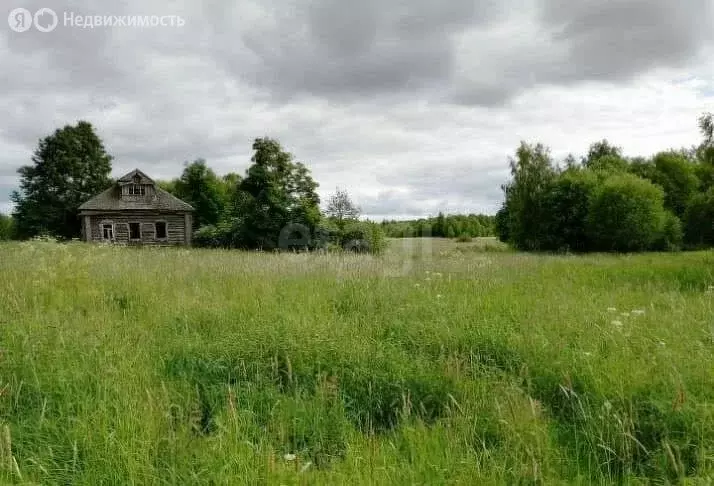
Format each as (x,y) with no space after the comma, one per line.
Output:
(223,235)
(626,214)
(7,227)
(362,237)
(699,220)
(567,205)
(464,239)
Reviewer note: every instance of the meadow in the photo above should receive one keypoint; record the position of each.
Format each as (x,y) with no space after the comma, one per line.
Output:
(435,363)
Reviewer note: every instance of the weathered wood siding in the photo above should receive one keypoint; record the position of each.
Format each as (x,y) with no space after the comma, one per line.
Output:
(175,227)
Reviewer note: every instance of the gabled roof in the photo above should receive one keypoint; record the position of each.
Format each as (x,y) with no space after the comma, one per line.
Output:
(135,177)
(111,200)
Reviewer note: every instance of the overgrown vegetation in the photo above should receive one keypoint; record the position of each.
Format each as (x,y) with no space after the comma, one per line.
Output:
(436,363)
(607,202)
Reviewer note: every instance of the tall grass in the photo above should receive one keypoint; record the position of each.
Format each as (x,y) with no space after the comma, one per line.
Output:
(431,364)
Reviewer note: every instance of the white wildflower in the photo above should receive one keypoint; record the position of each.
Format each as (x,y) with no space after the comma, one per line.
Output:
(662,343)
(417,285)
(427,279)
(625,314)
(587,353)
(289,457)
(611,309)
(617,323)
(439,296)
(638,312)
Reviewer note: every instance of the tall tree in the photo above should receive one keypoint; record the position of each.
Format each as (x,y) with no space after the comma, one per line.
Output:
(69,167)
(277,194)
(524,210)
(201,188)
(341,208)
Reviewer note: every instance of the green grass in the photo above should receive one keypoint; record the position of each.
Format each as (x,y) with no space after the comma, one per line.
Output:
(436,363)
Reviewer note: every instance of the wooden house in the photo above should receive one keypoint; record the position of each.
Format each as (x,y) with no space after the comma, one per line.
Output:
(135,211)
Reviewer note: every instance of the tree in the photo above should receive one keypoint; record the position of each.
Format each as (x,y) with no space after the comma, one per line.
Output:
(699,220)
(523,213)
(278,198)
(69,167)
(704,154)
(599,150)
(706,126)
(607,165)
(672,236)
(7,227)
(341,208)
(676,175)
(626,214)
(566,207)
(503,223)
(201,188)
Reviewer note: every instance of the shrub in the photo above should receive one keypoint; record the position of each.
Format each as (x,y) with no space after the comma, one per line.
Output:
(362,237)
(672,235)
(7,227)
(464,239)
(211,237)
(626,214)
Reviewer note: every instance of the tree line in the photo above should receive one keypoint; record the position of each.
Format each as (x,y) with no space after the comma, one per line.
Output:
(461,226)
(608,202)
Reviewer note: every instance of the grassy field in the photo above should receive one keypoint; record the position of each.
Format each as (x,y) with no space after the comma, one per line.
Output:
(437,363)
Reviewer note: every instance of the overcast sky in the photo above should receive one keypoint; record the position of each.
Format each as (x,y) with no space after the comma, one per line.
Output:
(413,106)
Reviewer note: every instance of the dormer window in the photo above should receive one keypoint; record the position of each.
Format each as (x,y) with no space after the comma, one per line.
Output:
(137,190)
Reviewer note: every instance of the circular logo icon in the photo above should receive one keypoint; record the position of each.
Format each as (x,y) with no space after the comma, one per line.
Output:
(20,19)
(46,20)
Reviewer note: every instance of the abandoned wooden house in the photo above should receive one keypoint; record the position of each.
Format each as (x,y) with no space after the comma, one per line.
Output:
(135,211)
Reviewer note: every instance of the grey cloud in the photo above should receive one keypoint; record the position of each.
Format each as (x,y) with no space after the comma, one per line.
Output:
(386,95)
(349,50)
(621,38)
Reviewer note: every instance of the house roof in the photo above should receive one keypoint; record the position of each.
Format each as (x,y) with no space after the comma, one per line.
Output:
(110,200)
(135,177)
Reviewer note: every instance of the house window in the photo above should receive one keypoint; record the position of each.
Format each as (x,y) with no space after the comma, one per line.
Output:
(108,231)
(134,231)
(137,190)
(161,233)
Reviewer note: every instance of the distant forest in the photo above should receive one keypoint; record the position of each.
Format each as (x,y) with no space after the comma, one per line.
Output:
(451,226)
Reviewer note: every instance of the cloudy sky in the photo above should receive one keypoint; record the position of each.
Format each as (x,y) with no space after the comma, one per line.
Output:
(413,106)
